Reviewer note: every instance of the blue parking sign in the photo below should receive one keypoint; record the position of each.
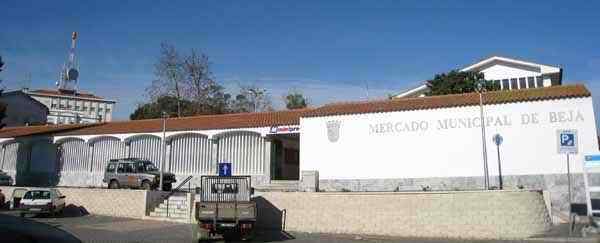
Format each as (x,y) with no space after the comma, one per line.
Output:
(567,141)
(224,169)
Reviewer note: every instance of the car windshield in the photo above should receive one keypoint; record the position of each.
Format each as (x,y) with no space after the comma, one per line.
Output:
(37,195)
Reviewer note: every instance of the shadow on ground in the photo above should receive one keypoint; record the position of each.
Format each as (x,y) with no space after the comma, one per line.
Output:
(17,229)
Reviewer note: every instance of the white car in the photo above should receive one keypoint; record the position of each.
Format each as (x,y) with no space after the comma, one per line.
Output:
(42,201)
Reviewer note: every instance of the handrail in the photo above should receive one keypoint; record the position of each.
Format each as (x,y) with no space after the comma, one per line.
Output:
(178,187)
(182,183)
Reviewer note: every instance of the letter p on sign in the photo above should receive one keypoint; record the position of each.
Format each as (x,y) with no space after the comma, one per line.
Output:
(567,141)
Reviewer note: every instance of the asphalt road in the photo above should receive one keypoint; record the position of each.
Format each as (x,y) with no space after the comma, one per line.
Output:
(91,228)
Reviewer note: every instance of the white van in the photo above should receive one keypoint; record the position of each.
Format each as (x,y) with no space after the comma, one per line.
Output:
(42,201)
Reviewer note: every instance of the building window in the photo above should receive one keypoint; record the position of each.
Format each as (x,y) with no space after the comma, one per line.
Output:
(531,82)
(505,84)
(53,106)
(513,83)
(62,106)
(540,81)
(107,110)
(77,107)
(85,108)
(99,109)
(522,83)
(92,109)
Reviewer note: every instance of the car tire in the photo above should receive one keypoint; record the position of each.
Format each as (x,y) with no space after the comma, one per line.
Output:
(146,185)
(113,185)
(22,215)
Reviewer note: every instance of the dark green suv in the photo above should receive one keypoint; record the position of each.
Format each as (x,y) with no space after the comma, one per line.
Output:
(135,173)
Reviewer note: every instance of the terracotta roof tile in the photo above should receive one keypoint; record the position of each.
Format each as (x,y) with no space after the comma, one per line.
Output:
(12,132)
(204,122)
(277,118)
(444,101)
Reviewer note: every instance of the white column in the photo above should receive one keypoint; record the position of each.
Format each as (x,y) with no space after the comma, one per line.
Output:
(214,154)
(128,149)
(3,155)
(91,164)
(168,157)
(267,158)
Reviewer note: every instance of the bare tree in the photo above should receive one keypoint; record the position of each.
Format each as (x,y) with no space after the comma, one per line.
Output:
(198,76)
(169,74)
(209,97)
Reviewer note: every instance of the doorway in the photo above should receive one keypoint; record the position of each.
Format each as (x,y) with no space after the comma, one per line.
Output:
(285,156)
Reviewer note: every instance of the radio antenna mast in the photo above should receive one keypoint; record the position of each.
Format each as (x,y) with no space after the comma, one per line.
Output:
(69,74)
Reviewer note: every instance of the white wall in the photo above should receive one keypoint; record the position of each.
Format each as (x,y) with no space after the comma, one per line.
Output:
(362,153)
(500,71)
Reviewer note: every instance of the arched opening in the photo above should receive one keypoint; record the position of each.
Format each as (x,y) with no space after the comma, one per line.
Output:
(72,161)
(104,149)
(191,153)
(147,147)
(246,151)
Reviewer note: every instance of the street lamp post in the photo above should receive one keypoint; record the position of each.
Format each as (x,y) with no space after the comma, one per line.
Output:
(164,148)
(480,89)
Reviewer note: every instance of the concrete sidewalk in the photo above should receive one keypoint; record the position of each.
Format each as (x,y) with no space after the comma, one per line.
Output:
(94,228)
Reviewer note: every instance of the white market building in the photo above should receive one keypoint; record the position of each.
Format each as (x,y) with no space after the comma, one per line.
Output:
(387,145)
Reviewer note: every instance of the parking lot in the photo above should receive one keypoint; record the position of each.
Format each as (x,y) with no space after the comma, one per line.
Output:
(92,228)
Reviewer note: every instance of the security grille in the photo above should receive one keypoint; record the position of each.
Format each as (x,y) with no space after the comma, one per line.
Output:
(225,189)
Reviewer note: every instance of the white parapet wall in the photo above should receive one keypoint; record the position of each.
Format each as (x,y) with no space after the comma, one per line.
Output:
(467,214)
(447,142)
(110,202)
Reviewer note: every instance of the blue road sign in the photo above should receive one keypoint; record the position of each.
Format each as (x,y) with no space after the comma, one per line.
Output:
(591,160)
(567,141)
(497,139)
(224,169)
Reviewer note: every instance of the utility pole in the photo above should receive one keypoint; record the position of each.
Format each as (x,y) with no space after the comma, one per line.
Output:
(480,89)
(164,148)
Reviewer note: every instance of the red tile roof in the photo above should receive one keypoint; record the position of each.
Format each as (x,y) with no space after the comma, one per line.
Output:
(456,100)
(12,132)
(204,122)
(62,93)
(279,118)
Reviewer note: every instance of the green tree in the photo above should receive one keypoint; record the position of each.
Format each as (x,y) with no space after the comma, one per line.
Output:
(169,104)
(295,100)
(457,82)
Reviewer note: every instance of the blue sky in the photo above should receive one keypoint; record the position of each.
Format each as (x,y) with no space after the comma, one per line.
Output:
(330,50)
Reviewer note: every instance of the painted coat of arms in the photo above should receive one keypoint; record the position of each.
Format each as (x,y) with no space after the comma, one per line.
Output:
(333,130)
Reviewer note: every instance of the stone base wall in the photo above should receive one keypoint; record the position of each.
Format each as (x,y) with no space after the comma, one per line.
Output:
(94,180)
(555,185)
(467,214)
(119,203)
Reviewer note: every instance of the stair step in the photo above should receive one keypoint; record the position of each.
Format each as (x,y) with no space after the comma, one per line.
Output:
(178,220)
(174,201)
(172,206)
(175,215)
(171,210)
(177,198)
